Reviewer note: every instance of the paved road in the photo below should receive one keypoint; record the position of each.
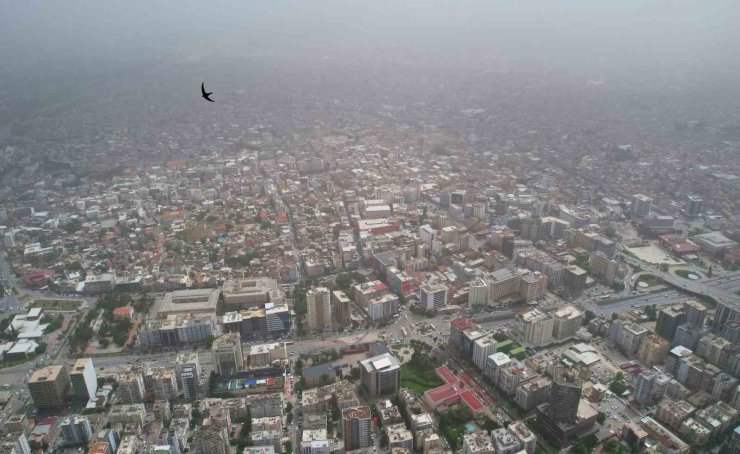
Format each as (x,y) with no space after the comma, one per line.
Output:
(719,294)
(659,299)
(729,282)
(10,301)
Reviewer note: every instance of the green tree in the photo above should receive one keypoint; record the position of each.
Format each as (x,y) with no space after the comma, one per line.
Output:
(72,226)
(354,373)
(601,417)
(612,447)
(489,424)
(53,323)
(343,280)
(452,424)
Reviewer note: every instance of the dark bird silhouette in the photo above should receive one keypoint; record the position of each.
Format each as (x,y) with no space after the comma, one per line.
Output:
(204,94)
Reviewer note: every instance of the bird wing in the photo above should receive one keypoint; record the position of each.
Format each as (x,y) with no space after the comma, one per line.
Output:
(203,88)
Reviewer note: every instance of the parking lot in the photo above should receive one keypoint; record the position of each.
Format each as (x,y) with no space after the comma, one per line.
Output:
(617,414)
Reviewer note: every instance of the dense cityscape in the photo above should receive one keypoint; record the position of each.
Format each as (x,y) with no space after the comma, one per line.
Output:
(399,254)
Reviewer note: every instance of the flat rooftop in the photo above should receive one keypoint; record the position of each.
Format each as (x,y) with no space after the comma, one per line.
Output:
(80,364)
(49,373)
(383,362)
(190,301)
(356,412)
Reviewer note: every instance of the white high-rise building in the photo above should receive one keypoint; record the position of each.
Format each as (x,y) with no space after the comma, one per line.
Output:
(641,204)
(84,380)
(567,321)
(534,327)
(482,349)
(380,375)
(432,296)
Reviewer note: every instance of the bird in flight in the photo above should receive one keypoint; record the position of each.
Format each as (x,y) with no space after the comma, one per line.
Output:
(204,94)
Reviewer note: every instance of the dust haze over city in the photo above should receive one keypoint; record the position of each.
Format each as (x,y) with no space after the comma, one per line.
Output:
(414,226)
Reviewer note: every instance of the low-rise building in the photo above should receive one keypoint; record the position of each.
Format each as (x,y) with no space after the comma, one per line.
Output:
(478,443)
(400,437)
(505,441)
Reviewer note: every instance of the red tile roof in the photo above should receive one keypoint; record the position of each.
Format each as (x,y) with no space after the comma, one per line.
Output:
(442,393)
(99,448)
(463,323)
(446,375)
(471,401)
(123,310)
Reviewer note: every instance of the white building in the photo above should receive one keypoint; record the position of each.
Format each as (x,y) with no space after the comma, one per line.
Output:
(567,321)
(432,296)
(482,349)
(315,441)
(534,327)
(495,364)
(84,380)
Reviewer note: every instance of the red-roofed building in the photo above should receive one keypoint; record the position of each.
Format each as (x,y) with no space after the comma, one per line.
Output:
(462,323)
(124,312)
(446,375)
(49,420)
(379,286)
(175,164)
(442,396)
(169,217)
(38,278)
(678,244)
(450,394)
(472,401)
(100,448)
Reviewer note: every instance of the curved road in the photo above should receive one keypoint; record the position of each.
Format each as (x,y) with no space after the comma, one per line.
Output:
(697,287)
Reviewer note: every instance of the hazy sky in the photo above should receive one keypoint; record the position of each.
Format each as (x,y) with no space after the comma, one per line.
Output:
(644,36)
